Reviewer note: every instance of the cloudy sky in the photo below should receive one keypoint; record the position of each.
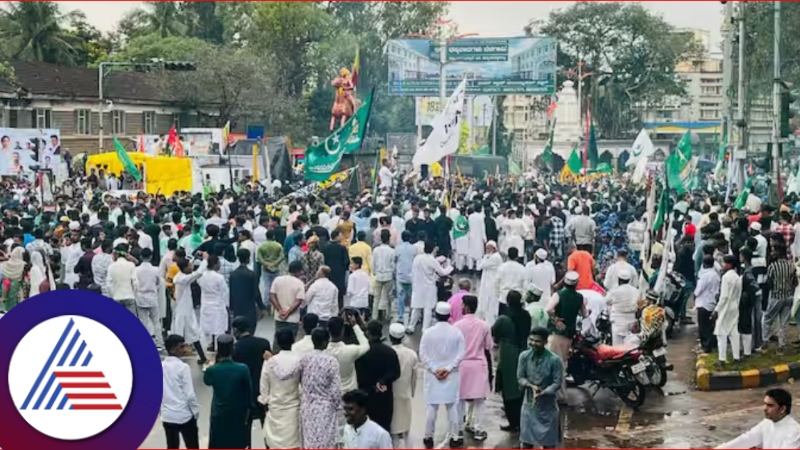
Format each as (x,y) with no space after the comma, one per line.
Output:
(495,18)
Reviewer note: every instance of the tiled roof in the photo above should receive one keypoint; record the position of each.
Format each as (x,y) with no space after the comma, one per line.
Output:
(44,79)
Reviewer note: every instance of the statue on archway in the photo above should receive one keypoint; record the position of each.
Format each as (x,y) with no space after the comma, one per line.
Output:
(344,103)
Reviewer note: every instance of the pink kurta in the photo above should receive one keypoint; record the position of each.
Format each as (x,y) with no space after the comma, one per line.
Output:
(474,369)
(457,306)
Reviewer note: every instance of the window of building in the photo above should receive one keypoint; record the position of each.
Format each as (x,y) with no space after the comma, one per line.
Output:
(83,121)
(711,90)
(13,118)
(118,122)
(41,118)
(149,122)
(176,120)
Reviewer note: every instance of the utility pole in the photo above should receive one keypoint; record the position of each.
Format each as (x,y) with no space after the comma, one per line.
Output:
(741,148)
(727,87)
(776,187)
(442,62)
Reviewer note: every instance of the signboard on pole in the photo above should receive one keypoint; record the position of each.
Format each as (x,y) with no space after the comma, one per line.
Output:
(492,66)
(429,107)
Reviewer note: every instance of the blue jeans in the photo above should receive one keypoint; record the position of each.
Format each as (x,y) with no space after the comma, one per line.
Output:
(403,294)
(265,285)
(688,290)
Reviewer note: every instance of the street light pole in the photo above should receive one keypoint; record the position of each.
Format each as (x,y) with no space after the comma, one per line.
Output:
(776,189)
(742,144)
(100,75)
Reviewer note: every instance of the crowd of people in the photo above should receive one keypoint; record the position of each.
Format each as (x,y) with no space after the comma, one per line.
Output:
(340,272)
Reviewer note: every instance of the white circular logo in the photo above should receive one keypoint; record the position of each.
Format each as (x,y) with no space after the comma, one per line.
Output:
(70,377)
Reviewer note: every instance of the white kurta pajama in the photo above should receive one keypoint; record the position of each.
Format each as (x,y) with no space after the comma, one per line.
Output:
(727,309)
(425,272)
(623,303)
(511,276)
(515,232)
(280,392)
(442,347)
(403,392)
(214,303)
(477,240)
(487,291)
(184,320)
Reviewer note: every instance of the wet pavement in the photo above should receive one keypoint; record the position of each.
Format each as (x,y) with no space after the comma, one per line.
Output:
(676,416)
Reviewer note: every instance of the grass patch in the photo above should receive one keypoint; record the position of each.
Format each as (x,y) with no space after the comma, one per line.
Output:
(763,360)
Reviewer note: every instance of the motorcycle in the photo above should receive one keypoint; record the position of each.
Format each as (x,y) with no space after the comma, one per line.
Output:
(621,369)
(670,300)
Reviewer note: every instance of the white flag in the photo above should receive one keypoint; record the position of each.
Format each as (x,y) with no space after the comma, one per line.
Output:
(642,148)
(446,133)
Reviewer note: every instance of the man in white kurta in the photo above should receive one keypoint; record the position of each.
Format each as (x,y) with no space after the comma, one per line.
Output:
(441,350)
(541,273)
(778,430)
(477,239)
(511,276)
(515,231)
(623,302)
(280,393)
(620,265)
(726,312)
(425,272)
(461,241)
(403,388)
(487,292)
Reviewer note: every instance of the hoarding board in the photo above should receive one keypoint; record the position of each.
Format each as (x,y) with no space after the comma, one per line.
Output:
(429,107)
(21,148)
(492,66)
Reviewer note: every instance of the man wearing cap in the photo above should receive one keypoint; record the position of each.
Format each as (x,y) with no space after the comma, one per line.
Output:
(487,294)
(403,387)
(613,272)
(477,238)
(564,308)
(441,351)
(542,274)
(623,302)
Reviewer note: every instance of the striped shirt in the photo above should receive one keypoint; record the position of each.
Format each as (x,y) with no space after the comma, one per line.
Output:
(781,278)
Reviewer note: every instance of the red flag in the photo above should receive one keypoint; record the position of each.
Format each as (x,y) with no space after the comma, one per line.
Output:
(174,143)
(597,288)
(141,146)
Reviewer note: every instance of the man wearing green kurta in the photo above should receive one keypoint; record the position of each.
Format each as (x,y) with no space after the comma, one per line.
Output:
(510,332)
(232,401)
(539,374)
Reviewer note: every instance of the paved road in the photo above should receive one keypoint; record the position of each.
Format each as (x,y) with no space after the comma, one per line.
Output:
(675,417)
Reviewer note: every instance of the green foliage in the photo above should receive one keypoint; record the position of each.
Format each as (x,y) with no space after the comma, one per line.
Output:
(35,31)
(632,53)
(173,48)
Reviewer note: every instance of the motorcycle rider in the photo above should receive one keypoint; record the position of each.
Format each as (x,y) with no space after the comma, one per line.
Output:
(623,301)
(563,309)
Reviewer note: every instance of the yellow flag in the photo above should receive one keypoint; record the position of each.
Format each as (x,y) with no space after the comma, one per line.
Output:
(226,132)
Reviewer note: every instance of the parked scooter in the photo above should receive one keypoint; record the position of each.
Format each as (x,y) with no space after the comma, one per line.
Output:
(670,300)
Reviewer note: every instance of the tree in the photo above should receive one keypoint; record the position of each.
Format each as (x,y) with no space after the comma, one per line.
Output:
(34,31)
(163,18)
(632,52)
(153,46)
(91,45)
(203,21)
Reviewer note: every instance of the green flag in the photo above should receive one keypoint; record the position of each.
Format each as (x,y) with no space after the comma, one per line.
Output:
(460,227)
(323,159)
(514,168)
(684,151)
(129,166)
(547,156)
(574,163)
(663,210)
(672,165)
(592,159)
(742,198)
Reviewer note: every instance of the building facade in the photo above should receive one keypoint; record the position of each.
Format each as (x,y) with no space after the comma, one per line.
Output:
(42,95)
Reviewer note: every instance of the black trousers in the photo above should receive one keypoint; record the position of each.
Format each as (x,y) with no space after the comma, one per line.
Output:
(250,430)
(188,430)
(705,330)
(513,409)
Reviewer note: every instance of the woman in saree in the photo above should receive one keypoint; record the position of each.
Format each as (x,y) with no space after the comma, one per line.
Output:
(15,285)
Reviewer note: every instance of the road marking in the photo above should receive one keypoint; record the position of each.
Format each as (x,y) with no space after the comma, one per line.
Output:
(624,420)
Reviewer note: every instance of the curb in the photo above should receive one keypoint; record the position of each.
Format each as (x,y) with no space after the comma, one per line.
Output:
(744,379)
